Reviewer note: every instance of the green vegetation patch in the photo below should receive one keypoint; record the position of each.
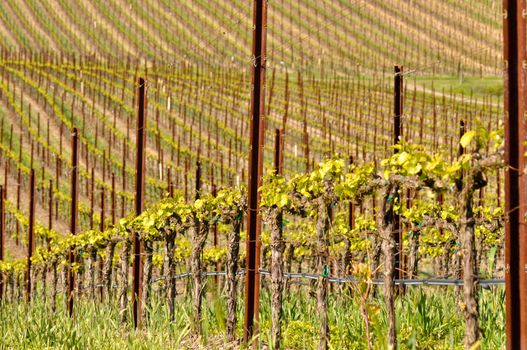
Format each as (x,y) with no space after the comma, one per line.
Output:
(477,86)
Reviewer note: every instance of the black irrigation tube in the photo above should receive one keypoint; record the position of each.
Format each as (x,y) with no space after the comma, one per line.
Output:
(407,282)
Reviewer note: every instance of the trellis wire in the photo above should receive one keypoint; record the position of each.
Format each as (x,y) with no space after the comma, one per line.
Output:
(341,280)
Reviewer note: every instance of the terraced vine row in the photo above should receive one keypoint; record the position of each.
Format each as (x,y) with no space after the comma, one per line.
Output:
(44,96)
(449,37)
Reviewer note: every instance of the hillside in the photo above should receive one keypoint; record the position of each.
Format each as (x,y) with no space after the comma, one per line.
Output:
(329,86)
(381,218)
(429,35)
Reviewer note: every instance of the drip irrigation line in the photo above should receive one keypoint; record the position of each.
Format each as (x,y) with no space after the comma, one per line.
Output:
(407,282)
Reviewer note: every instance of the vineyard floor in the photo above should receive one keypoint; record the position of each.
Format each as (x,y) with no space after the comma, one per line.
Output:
(475,86)
(428,318)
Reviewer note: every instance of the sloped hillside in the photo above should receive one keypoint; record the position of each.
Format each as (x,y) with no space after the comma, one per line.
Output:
(76,63)
(430,35)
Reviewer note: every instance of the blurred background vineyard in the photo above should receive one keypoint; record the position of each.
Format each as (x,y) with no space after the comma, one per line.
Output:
(329,85)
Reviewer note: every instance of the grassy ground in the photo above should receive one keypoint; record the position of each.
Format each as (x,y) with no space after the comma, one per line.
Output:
(428,318)
(479,87)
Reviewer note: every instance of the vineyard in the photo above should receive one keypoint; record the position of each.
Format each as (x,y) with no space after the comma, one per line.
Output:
(346,36)
(149,198)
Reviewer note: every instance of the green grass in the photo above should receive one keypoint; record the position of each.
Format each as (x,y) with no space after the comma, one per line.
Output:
(479,87)
(428,318)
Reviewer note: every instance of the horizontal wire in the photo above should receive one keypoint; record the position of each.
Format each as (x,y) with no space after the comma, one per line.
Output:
(350,279)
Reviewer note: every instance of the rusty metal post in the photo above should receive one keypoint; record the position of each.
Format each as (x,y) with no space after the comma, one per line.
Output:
(123,177)
(281,163)
(50,206)
(462,130)
(278,166)
(6,175)
(19,186)
(278,152)
(257,127)
(397,133)
(514,37)
(113,199)
(102,227)
(2,231)
(215,231)
(170,188)
(139,200)
(185,178)
(198,179)
(31,233)
(92,197)
(351,223)
(74,213)
(397,103)
(50,213)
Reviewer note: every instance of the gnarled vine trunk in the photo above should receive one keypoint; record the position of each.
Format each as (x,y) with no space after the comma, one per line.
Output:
(413,262)
(65,276)
(199,236)
(54,285)
(44,282)
(108,267)
(19,282)
(34,284)
(445,259)
(376,256)
(289,265)
(385,226)
(346,258)
(170,273)
(12,286)
(91,273)
(233,251)
(277,275)
(147,279)
(123,287)
(323,269)
(468,249)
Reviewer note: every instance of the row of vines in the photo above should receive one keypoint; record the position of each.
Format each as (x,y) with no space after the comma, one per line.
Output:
(338,220)
(194,115)
(451,37)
